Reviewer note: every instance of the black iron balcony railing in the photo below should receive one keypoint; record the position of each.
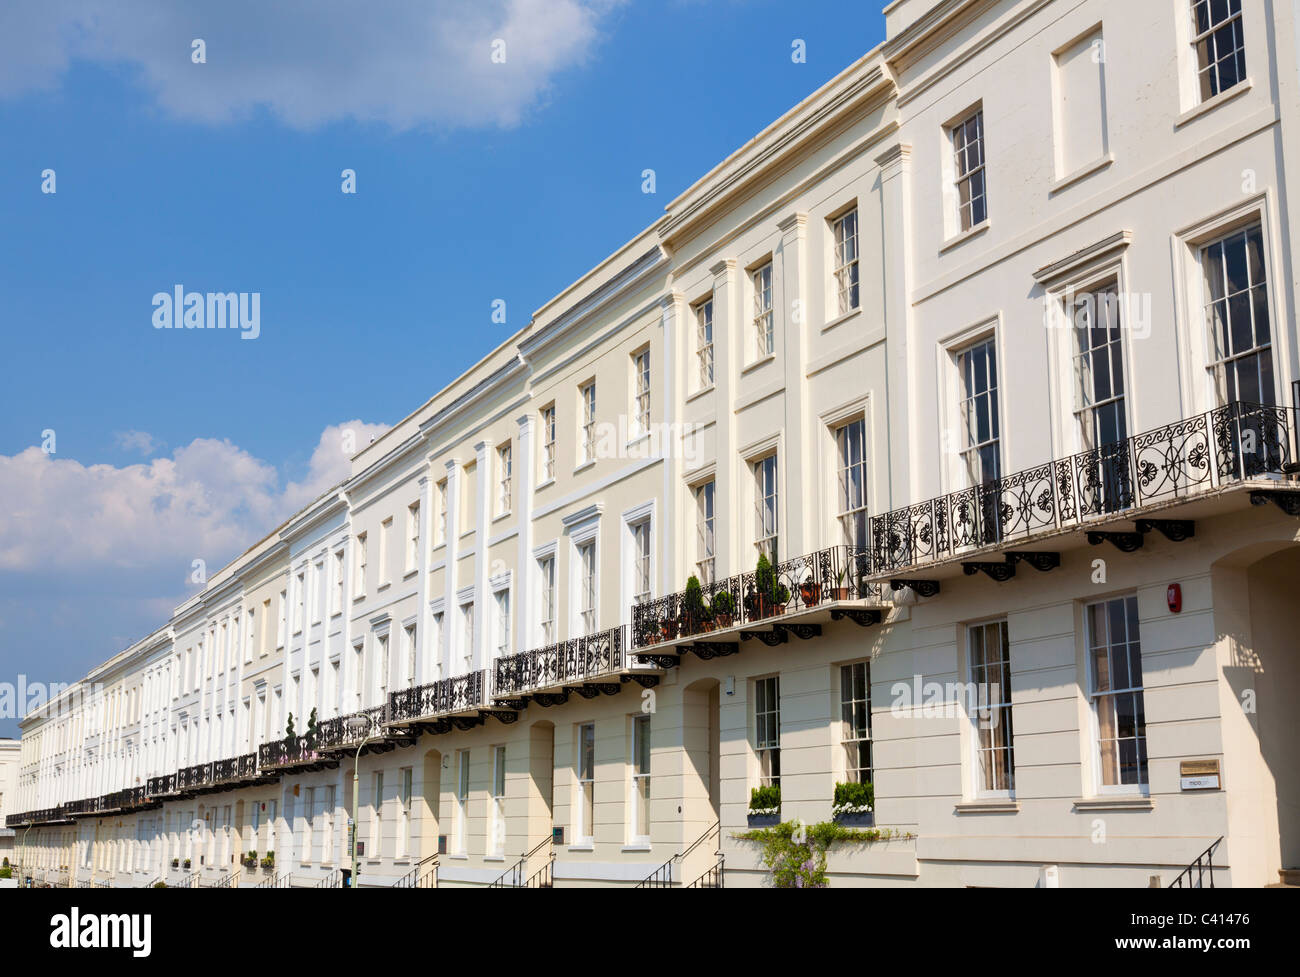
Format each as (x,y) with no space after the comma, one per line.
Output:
(1188,457)
(287,752)
(445,697)
(161,786)
(327,739)
(353,728)
(836,573)
(576,660)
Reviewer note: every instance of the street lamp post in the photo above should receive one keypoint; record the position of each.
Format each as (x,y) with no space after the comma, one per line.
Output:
(356,725)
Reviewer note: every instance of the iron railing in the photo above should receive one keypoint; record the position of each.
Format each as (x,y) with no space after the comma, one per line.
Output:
(423,876)
(461,693)
(1188,457)
(334,880)
(517,877)
(274,882)
(1195,875)
(662,877)
(229,881)
(833,574)
(713,878)
(576,660)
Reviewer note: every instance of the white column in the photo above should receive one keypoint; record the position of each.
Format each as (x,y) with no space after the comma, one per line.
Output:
(451,626)
(728,333)
(794,512)
(483,519)
(424,651)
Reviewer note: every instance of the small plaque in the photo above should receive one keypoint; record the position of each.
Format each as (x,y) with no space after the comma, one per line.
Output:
(1198,775)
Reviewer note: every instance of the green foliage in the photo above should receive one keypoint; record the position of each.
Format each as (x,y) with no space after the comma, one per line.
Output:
(160,885)
(795,853)
(722,604)
(770,589)
(6,872)
(855,795)
(763,798)
(288,729)
(694,613)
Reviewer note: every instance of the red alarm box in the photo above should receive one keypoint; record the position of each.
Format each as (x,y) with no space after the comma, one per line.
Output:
(1174,595)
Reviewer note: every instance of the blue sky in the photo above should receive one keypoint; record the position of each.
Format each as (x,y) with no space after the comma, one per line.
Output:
(225,176)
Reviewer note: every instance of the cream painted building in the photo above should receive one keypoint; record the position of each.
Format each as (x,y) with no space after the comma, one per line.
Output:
(989,343)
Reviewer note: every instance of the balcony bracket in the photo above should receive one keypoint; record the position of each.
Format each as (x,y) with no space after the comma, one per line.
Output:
(645,681)
(801,631)
(551,698)
(1288,502)
(464,723)
(1035,558)
(659,661)
(513,704)
(1001,572)
(507,716)
(862,618)
(1124,542)
(1174,530)
(923,588)
(769,638)
(706,650)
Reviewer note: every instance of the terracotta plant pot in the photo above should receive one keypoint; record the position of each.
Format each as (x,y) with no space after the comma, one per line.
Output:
(811,594)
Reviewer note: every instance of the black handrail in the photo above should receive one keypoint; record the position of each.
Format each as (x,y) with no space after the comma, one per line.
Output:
(713,878)
(1203,866)
(516,872)
(662,877)
(414,878)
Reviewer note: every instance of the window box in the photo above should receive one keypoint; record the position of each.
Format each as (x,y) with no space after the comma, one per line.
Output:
(854,805)
(764,806)
(855,819)
(763,820)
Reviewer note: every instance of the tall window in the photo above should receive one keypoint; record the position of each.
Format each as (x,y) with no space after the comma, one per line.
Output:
(765,507)
(586,780)
(441,532)
(404,813)
(408,634)
(1237,316)
(546,567)
(300,597)
(498,843)
(846,261)
(467,635)
(587,394)
(587,586)
(309,811)
(641,561)
(338,583)
(382,664)
(412,536)
(767,729)
(385,535)
(1099,392)
(462,800)
(850,442)
(968,172)
(327,825)
(855,721)
(990,673)
(358,673)
(439,644)
(641,396)
(641,776)
(377,815)
(504,474)
(704,548)
(704,341)
(1115,663)
(764,335)
(979,412)
(548,443)
(503,623)
(359,579)
(1220,45)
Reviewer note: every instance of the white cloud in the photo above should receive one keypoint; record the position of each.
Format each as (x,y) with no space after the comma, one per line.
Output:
(403,63)
(209,500)
(139,441)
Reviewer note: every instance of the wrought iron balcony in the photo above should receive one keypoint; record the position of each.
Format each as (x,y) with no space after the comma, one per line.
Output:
(324,745)
(459,695)
(292,751)
(1167,465)
(595,658)
(827,577)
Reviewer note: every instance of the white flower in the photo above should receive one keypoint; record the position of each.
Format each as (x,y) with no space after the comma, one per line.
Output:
(851,809)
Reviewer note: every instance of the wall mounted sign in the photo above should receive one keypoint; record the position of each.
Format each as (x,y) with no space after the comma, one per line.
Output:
(1198,775)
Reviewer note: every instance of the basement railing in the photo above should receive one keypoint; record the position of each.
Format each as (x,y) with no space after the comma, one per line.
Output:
(662,877)
(517,877)
(1195,875)
(423,876)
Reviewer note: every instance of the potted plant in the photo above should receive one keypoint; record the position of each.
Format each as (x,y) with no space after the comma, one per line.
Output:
(176,863)
(312,729)
(186,864)
(764,806)
(160,885)
(810,591)
(854,805)
(694,613)
(722,608)
(288,730)
(669,627)
(268,862)
(249,860)
(841,589)
(772,594)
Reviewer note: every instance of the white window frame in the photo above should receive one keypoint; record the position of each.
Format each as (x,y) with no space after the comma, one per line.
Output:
(548,443)
(412,537)
(359,567)
(505,477)
(703,311)
(767,748)
(640,393)
(845,275)
(763,316)
(497,835)
(706,542)
(1209,84)
(1090,646)
(766,472)
(640,782)
(969,169)
(851,473)
(851,736)
(990,711)
(461,840)
(587,420)
(585,784)
(1218,363)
